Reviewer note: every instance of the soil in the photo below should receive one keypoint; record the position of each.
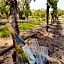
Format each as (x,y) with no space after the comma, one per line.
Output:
(53,40)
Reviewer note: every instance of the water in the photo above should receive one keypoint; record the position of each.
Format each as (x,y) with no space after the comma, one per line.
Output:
(39,52)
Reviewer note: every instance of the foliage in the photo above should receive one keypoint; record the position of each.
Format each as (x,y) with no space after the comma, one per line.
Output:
(38,13)
(24,13)
(24,8)
(3,32)
(4,9)
(60,12)
(21,14)
(53,4)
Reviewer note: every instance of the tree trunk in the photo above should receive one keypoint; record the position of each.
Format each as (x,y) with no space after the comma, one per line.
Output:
(47,17)
(13,10)
(14,19)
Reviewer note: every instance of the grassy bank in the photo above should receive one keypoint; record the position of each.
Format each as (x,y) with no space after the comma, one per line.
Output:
(22,26)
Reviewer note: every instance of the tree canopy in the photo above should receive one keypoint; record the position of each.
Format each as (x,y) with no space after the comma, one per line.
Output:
(4,9)
(53,4)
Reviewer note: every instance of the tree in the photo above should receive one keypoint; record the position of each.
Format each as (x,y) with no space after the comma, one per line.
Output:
(38,14)
(24,8)
(47,12)
(52,4)
(13,12)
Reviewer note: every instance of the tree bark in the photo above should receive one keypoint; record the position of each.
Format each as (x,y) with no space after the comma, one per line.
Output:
(13,11)
(47,17)
(14,19)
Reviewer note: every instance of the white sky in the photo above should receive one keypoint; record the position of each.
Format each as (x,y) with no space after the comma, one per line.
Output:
(61,4)
(41,4)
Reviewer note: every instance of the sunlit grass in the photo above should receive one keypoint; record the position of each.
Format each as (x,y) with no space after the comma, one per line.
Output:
(22,26)
(29,25)
(62,17)
(3,32)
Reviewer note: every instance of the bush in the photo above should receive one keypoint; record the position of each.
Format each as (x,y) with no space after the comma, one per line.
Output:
(3,32)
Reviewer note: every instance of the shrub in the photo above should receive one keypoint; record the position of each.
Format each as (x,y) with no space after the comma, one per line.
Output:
(3,32)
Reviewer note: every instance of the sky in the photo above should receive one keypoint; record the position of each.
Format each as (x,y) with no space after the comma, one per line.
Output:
(41,4)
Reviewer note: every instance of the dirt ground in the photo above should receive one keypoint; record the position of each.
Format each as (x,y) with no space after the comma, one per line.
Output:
(53,40)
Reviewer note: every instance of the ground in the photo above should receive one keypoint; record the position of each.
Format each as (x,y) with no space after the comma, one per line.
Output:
(53,40)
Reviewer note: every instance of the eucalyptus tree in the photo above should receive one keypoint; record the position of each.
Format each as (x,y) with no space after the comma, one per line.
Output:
(52,4)
(13,13)
(47,12)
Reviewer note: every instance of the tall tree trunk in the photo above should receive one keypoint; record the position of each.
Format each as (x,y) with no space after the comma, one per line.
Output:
(47,17)
(13,9)
(13,12)
(14,19)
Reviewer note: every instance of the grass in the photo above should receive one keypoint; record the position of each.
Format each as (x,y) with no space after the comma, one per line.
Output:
(29,25)
(3,32)
(22,26)
(62,17)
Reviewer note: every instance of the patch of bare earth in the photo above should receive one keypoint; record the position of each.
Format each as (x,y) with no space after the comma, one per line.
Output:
(5,43)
